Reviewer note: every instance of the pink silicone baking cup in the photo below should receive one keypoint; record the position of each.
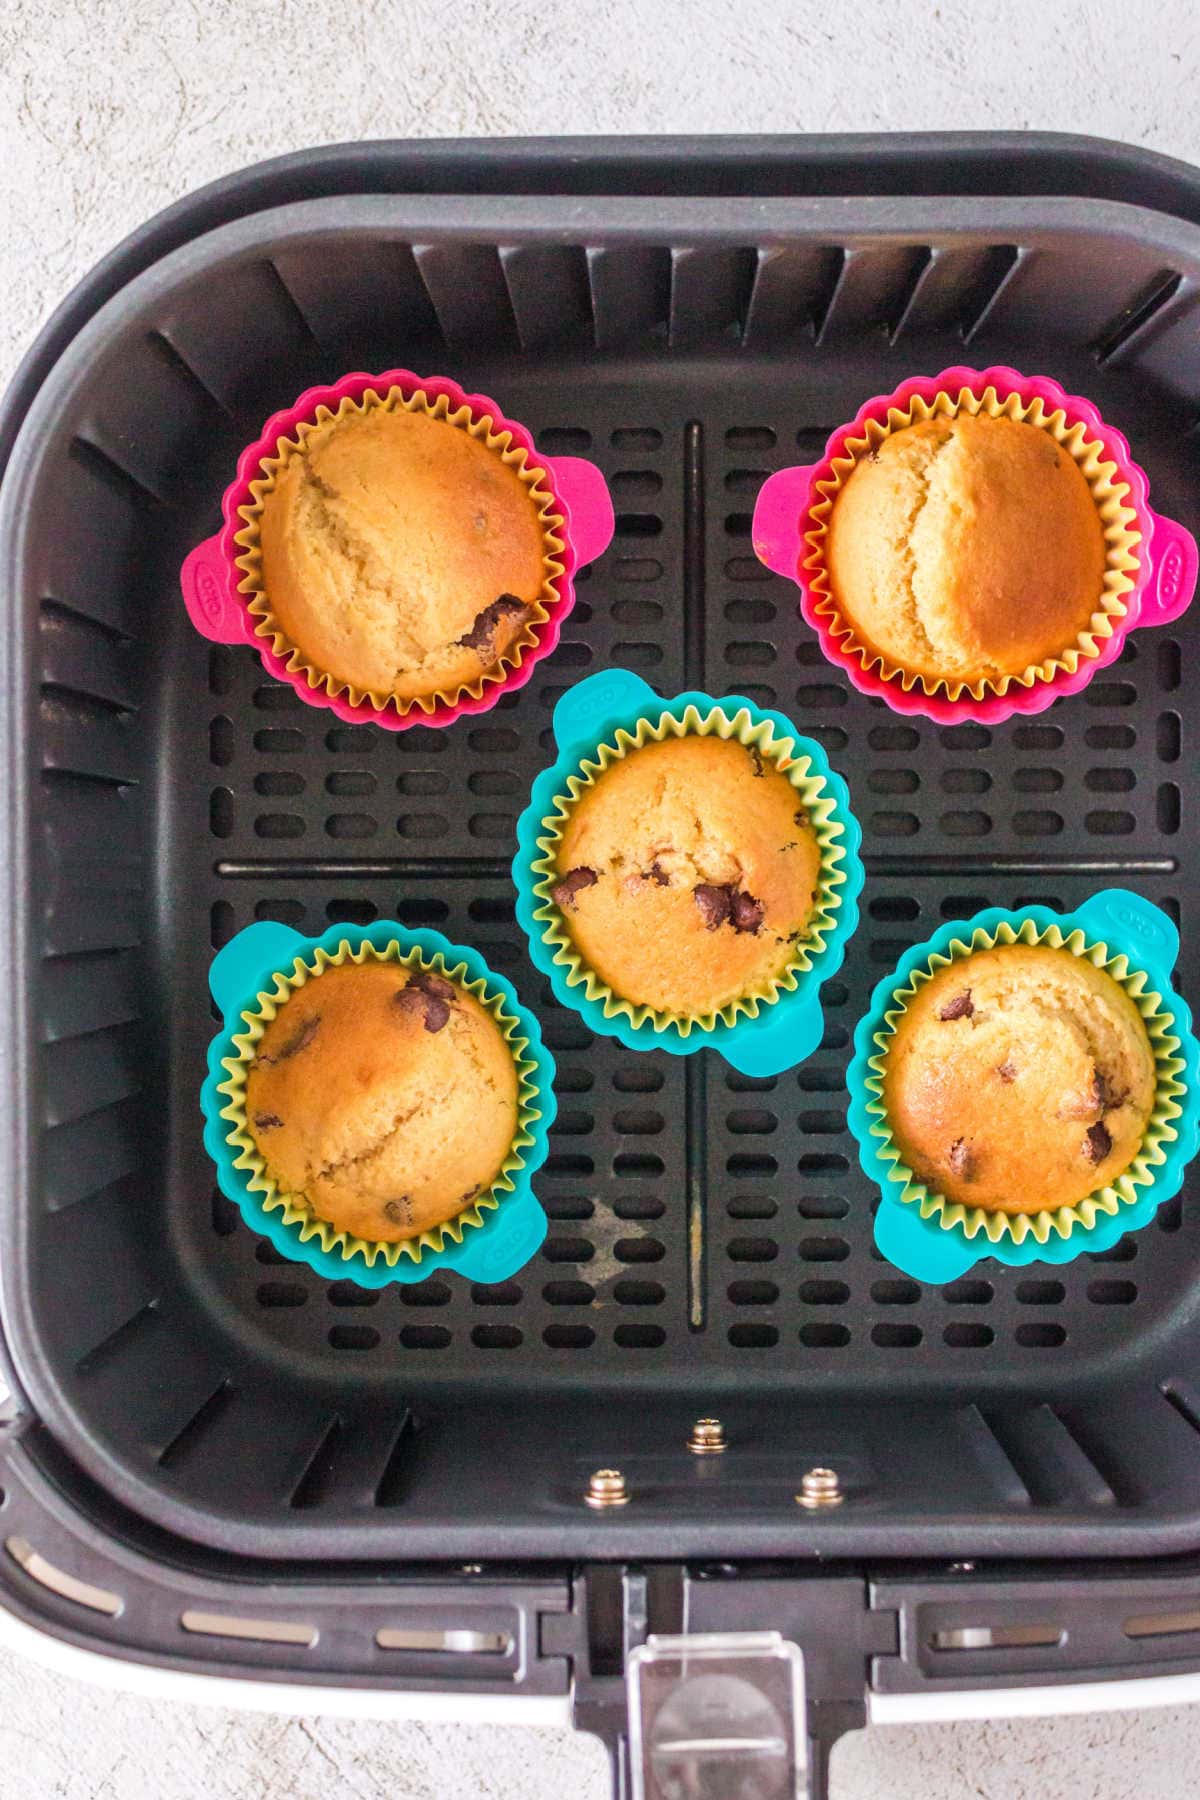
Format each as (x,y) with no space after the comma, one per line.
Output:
(1163,581)
(211,579)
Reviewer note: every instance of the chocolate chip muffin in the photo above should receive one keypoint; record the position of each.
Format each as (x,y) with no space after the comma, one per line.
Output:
(383,1096)
(966,548)
(1019,1078)
(687,873)
(400,554)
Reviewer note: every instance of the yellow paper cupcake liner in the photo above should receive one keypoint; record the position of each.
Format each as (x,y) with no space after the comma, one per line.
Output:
(1109,492)
(1160,1129)
(294,1209)
(817,801)
(459,418)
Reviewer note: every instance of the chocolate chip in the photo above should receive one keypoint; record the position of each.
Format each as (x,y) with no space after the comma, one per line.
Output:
(756,758)
(1007,1071)
(573,882)
(300,1039)
(417,999)
(266,1121)
(658,874)
(747,912)
(437,1013)
(715,903)
(961,1007)
(483,631)
(1108,1096)
(1097,1142)
(470,1193)
(725,904)
(792,844)
(801,818)
(398,1211)
(436,986)
(960,1160)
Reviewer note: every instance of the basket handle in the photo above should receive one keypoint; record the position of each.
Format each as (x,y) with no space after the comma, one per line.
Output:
(781,505)
(584,494)
(1174,561)
(214,609)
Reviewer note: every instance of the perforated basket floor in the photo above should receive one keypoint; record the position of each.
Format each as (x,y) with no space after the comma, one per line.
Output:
(647,1146)
(710,1244)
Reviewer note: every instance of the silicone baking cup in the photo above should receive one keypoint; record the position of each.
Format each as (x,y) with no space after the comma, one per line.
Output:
(1151,567)
(937,1240)
(596,723)
(250,978)
(221,578)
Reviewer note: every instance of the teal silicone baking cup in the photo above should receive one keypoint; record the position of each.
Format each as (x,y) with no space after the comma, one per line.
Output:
(255,973)
(599,721)
(936,1240)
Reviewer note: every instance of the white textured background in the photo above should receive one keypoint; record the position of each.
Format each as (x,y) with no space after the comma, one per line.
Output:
(110,110)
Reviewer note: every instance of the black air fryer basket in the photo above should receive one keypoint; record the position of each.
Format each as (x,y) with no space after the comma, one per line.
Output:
(214,1457)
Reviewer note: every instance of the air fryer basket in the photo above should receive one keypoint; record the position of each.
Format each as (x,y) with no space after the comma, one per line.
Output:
(710,1247)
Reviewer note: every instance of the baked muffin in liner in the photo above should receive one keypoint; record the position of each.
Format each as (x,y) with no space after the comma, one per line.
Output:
(597,723)
(222,580)
(934,1238)
(1150,561)
(251,978)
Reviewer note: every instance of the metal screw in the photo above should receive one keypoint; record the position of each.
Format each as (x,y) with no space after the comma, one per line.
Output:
(708,1438)
(820,1488)
(606,1488)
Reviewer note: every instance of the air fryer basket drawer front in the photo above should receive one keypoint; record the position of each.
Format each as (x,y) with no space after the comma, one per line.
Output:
(710,1246)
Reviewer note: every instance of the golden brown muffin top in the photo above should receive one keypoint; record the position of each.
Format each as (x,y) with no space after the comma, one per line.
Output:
(967,547)
(386,1097)
(686,873)
(400,554)
(1019,1078)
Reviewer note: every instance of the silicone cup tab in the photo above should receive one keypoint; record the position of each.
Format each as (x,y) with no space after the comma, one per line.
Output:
(211,577)
(584,712)
(782,502)
(929,1250)
(505,1237)
(242,967)
(904,1238)
(786,1029)
(217,613)
(1174,564)
(779,1039)
(1141,928)
(582,493)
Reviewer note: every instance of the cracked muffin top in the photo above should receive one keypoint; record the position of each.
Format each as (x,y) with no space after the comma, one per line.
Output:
(386,1097)
(966,548)
(400,554)
(686,874)
(1019,1078)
